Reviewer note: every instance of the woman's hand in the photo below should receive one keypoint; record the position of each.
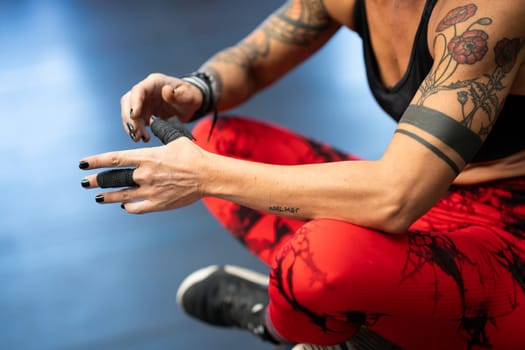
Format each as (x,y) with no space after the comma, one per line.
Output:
(159,95)
(167,177)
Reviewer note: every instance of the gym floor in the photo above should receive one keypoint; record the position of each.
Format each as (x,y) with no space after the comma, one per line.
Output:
(78,275)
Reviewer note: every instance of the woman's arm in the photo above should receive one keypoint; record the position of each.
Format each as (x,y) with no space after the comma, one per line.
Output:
(289,36)
(478,51)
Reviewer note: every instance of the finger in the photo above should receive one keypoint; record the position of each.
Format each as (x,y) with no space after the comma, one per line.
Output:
(116,178)
(134,126)
(137,96)
(125,195)
(139,207)
(127,123)
(143,130)
(169,130)
(115,159)
(179,94)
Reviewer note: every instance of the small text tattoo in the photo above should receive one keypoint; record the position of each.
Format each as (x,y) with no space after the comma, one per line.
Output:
(280,209)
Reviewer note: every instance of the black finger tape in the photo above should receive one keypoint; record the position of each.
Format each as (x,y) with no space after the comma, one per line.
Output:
(116,178)
(169,130)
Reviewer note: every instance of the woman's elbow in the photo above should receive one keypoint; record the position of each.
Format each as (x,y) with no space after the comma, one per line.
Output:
(397,216)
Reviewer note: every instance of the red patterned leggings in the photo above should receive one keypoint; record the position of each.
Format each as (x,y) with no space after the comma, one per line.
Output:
(456,280)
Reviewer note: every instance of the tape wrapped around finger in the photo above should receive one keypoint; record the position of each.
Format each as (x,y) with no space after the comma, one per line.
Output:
(116,178)
(169,130)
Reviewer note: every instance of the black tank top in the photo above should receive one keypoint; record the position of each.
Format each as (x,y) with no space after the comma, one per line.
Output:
(508,134)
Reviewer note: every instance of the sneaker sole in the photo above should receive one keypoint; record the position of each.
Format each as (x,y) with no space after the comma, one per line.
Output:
(204,272)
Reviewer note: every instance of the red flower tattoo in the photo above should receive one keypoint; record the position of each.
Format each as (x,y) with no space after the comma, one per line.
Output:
(470,47)
(457,15)
(506,52)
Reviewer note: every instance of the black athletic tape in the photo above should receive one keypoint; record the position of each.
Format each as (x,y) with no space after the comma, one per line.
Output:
(116,178)
(455,135)
(431,147)
(169,130)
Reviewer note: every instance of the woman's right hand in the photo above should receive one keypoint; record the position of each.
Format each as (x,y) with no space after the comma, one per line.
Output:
(159,95)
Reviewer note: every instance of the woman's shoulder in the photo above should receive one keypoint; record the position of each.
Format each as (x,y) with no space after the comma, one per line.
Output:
(342,11)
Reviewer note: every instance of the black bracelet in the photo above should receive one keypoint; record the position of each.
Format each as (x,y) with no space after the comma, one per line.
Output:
(204,83)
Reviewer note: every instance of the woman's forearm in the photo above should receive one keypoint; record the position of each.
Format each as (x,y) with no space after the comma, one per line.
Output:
(386,194)
(352,191)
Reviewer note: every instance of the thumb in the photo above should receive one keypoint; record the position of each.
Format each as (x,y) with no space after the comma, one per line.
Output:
(184,97)
(182,94)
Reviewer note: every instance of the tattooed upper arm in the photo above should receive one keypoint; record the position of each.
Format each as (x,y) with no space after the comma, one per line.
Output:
(478,50)
(287,37)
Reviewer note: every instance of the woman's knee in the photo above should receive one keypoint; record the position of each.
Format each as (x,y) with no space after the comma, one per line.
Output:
(314,282)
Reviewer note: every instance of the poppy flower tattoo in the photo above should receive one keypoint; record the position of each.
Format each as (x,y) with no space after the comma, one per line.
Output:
(457,15)
(468,48)
(466,43)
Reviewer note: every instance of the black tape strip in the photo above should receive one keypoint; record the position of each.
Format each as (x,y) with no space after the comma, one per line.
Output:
(455,135)
(169,130)
(116,178)
(431,147)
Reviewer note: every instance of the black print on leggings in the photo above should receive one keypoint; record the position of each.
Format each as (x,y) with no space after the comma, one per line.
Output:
(513,263)
(243,221)
(360,317)
(475,327)
(437,251)
(281,229)
(283,276)
(441,252)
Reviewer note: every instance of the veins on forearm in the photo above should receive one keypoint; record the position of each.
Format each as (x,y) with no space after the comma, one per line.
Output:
(466,43)
(297,23)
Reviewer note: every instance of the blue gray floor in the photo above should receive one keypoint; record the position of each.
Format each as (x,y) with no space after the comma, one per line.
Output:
(77,275)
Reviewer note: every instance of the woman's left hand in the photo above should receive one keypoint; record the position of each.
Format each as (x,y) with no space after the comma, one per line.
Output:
(166,177)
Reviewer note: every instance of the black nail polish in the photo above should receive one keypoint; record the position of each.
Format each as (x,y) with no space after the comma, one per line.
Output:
(132,135)
(143,138)
(99,198)
(131,113)
(83,165)
(122,206)
(130,127)
(84,183)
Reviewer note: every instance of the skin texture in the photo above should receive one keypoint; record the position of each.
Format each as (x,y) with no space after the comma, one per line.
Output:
(478,51)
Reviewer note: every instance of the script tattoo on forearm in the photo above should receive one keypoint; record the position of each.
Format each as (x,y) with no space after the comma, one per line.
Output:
(296,23)
(466,43)
(283,209)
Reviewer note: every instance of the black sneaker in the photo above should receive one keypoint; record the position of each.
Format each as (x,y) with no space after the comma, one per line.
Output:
(226,296)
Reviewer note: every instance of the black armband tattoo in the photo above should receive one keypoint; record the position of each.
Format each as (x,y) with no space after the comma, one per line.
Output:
(204,83)
(431,147)
(451,132)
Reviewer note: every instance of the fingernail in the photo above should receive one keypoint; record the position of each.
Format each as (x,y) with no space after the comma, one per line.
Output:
(131,113)
(99,198)
(83,165)
(122,206)
(143,138)
(84,183)
(130,127)
(132,135)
